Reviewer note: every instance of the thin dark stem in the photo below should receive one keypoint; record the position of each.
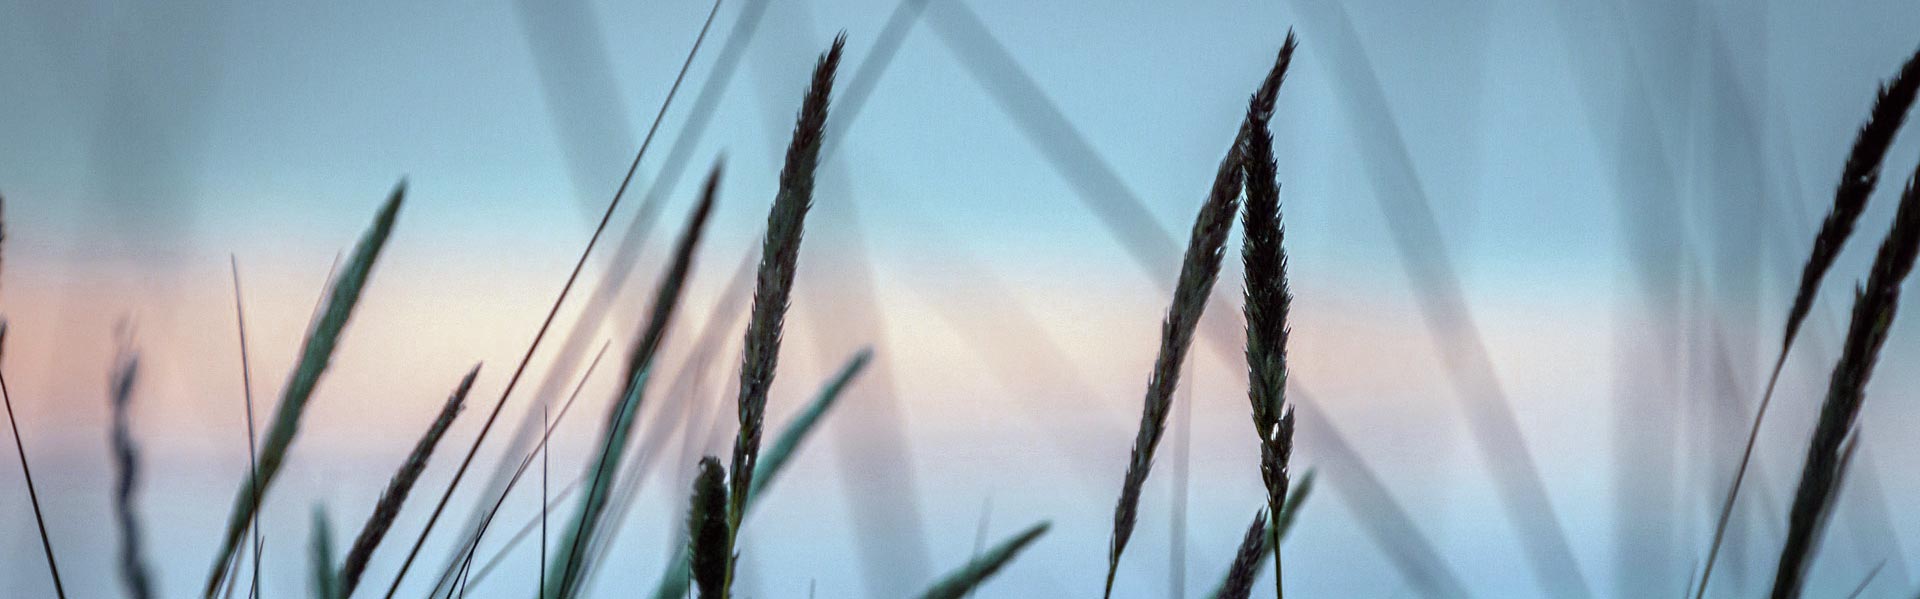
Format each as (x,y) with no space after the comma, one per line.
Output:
(246,389)
(554,311)
(33,496)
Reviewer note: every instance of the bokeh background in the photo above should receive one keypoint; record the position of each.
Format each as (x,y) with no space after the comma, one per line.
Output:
(1584,219)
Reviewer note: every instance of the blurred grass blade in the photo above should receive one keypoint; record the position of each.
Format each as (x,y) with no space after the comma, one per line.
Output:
(565,566)
(388,507)
(673,583)
(314,358)
(976,572)
(126,488)
(325,583)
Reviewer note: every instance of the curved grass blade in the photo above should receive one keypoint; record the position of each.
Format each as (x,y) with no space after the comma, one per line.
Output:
(976,572)
(388,507)
(314,358)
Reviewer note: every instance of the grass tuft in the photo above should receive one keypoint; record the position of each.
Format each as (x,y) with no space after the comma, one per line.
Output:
(1267,298)
(326,584)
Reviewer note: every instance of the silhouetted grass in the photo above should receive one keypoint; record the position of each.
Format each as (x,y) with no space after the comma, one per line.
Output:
(1857,181)
(126,486)
(1197,274)
(326,583)
(1874,307)
(388,507)
(1246,561)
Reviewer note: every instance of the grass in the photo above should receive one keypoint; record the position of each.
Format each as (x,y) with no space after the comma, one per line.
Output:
(1197,274)
(1874,306)
(722,493)
(963,581)
(315,355)
(1247,560)
(1857,181)
(773,289)
(395,496)
(1267,299)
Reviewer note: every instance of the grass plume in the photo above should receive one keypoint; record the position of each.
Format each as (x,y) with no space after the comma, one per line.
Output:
(707,529)
(1276,531)
(315,355)
(126,484)
(1857,181)
(957,584)
(773,288)
(1267,298)
(387,509)
(1197,274)
(619,427)
(1246,561)
(1874,307)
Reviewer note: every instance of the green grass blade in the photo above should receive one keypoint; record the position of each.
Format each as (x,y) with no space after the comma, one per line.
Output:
(314,358)
(325,584)
(976,572)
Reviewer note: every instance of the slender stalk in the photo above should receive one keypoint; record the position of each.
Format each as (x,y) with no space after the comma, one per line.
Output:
(33,496)
(553,312)
(246,391)
(1857,180)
